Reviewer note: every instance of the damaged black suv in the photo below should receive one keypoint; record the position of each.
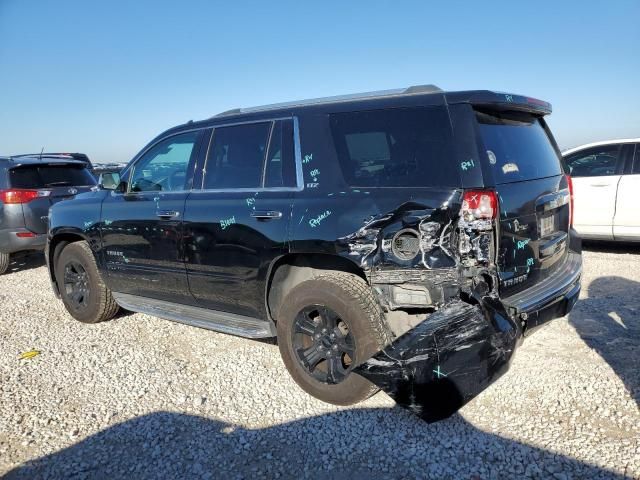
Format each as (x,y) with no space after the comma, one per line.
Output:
(404,240)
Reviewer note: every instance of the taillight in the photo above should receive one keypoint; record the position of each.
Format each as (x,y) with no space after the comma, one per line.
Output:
(20,195)
(25,234)
(479,204)
(570,183)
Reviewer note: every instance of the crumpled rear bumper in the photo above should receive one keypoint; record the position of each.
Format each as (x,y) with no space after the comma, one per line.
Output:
(448,359)
(459,350)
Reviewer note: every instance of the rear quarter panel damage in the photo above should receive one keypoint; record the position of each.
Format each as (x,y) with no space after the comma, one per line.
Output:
(459,339)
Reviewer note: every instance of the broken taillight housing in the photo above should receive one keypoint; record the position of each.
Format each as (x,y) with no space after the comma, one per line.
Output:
(570,183)
(20,195)
(479,205)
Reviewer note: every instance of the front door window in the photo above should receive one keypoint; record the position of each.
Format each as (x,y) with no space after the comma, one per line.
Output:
(164,167)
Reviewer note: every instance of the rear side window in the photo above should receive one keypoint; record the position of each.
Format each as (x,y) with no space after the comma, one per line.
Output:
(595,162)
(44,176)
(236,156)
(518,147)
(400,147)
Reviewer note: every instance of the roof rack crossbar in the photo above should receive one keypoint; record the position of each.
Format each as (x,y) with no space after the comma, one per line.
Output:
(414,89)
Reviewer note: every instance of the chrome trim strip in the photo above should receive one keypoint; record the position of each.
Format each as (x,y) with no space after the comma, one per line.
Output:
(297,149)
(240,190)
(224,322)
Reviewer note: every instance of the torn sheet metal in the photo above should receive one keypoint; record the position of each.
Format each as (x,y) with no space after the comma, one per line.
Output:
(448,359)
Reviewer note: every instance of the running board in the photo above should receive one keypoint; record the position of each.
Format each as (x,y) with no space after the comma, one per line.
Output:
(198,317)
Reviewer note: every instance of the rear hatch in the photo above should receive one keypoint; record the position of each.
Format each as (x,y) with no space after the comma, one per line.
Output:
(533,194)
(53,182)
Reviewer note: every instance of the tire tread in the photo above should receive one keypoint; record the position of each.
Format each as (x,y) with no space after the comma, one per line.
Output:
(361,293)
(4,262)
(107,306)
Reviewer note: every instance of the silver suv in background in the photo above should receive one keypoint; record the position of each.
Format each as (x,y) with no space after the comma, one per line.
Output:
(29,185)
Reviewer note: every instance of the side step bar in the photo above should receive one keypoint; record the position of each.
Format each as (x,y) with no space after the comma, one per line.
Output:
(198,317)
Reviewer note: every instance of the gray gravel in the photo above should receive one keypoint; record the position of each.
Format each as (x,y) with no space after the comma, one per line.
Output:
(140,397)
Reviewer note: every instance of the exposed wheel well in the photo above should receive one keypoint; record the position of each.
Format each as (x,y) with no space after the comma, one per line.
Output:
(55,247)
(293,269)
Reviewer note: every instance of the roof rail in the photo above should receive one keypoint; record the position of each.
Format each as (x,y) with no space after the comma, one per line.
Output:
(414,89)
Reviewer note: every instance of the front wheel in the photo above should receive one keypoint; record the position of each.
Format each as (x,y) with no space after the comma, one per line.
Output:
(326,327)
(83,292)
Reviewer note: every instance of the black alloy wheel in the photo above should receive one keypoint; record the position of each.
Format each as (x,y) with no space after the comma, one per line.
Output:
(324,344)
(85,295)
(76,284)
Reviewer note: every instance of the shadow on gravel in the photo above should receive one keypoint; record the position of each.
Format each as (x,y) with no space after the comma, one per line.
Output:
(609,322)
(23,262)
(611,247)
(353,444)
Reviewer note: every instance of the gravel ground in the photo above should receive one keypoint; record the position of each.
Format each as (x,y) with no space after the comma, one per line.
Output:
(140,397)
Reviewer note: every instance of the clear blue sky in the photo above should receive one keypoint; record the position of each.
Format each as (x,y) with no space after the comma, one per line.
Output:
(105,77)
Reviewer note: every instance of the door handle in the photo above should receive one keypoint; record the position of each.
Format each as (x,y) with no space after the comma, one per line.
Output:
(166,214)
(266,214)
(600,184)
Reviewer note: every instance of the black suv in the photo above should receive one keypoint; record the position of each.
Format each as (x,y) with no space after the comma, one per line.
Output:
(29,185)
(404,239)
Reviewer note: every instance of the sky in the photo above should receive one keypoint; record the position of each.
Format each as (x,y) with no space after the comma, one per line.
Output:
(104,78)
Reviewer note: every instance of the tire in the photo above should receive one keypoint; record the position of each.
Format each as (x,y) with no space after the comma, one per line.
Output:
(303,317)
(4,262)
(83,292)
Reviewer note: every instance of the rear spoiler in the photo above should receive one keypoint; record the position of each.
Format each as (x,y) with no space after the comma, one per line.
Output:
(501,101)
(62,156)
(57,162)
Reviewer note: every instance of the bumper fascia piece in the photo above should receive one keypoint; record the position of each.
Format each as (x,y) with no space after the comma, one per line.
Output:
(10,242)
(462,348)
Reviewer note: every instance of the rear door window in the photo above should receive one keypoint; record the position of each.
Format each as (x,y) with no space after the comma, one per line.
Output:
(518,147)
(280,168)
(236,156)
(46,176)
(595,162)
(399,147)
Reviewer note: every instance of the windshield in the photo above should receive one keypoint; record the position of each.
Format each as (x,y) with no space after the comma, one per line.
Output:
(518,147)
(44,176)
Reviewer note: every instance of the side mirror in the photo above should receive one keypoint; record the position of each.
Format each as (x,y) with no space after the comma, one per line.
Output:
(110,181)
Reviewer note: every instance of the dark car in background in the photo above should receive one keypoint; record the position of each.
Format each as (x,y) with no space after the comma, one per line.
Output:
(405,239)
(29,185)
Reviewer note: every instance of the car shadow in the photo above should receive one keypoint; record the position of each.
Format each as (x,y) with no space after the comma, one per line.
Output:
(611,247)
(350,444)
(22,262)
(609,322)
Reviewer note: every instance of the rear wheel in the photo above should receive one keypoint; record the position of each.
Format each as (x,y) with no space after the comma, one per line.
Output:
(4,262)
(326,327)
(83,292)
